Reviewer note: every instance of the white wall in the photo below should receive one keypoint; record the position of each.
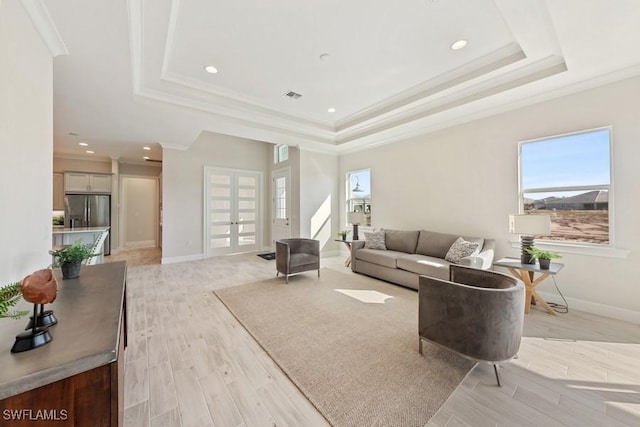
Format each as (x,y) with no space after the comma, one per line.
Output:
(140,211)
(464,180)
(318,194)
(63,164)
(26,135)
(140,170)
(182,187)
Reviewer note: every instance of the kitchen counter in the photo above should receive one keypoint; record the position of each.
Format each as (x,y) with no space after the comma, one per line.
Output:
(84,235)
(91,318)
(78,230)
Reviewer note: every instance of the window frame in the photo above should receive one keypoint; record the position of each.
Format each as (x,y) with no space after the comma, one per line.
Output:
(348,199)
(277,158)
(575,245)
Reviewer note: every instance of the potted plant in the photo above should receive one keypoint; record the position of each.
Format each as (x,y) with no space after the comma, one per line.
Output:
(343,234)
(9,297)
(70,258)
(543,257)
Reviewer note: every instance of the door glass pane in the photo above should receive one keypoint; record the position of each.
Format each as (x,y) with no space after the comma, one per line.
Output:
(246,216)
(221,217)
(281,198)
(221,204)
(246,204)
(220,179)
(247,192)
(220,229)
(248,181)
(247,228)
(247,240)
(224,242)
(220,192)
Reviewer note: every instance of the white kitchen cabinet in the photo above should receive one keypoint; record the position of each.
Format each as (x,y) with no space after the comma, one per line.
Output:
(83,182)
(100,183)
(58,191)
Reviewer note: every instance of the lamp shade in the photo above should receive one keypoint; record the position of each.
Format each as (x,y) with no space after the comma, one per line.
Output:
(355,218)
(530,224)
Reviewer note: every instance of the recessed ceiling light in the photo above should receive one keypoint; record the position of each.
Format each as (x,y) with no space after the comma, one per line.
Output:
(210,69)
(458,44)
(83,144)
(90,152)
(146,157)
(146,148)
(331,110)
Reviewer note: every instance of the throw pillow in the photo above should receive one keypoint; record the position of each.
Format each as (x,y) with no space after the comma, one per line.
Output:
(460,249)
(374,240)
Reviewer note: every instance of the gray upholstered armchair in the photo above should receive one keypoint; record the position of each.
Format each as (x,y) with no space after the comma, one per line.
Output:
(297,255)
(477,313)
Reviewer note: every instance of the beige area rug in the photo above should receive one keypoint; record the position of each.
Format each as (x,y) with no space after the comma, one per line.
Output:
(356,361)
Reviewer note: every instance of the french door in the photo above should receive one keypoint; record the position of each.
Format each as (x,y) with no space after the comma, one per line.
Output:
(232,210)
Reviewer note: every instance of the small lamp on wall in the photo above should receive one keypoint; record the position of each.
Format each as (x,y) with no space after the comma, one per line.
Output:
(529,226)
(355,219)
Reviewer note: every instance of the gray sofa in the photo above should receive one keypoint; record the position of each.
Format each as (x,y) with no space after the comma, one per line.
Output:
(410,254)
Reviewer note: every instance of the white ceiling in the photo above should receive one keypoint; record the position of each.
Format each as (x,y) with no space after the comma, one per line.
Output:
(134,74)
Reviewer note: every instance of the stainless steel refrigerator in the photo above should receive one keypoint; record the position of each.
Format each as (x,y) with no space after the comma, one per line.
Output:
(88,210)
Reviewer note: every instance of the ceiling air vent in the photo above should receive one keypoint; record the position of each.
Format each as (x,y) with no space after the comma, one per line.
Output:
(291,94)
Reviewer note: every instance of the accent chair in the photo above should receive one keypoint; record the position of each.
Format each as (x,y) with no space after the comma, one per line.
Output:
(296,255)
(477,313)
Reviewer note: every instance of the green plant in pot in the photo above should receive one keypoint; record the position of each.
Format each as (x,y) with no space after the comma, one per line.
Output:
(543,257)
(342,234)
(10,295)
(70,258)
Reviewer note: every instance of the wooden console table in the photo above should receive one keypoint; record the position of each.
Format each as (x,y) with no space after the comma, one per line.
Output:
(78,378)
(526,273)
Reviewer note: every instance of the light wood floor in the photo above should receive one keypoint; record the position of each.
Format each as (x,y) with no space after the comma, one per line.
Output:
(190,363)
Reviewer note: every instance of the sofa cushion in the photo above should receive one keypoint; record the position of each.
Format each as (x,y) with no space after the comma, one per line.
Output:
(460,249)
(383,258)
(375,240)
(401,241)
(421,264)
(435,244)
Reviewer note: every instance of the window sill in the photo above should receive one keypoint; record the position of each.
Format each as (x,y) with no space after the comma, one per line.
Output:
(568,248)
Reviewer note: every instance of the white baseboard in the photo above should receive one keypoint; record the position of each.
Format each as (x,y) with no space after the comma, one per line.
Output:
(595,308)
(141,244)
(183,258)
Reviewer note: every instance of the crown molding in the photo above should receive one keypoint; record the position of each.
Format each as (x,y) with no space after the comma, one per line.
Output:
(39,14)
(237,117)
(179,147)
(512,79)
(404,133)
(432,105)
(493,61)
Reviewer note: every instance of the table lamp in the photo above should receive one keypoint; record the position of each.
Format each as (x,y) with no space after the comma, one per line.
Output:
(355,219)
(529,226)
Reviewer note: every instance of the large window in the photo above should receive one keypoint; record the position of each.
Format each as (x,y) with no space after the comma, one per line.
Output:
(569,178)
(359,194)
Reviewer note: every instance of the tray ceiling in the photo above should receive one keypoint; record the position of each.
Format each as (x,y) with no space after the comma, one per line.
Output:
(135,70)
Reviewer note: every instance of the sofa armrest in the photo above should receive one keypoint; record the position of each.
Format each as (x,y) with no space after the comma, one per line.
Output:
(355,246)
(483,260)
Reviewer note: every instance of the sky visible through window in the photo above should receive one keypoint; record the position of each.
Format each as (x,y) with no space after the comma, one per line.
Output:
(363,178)
(581,159)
